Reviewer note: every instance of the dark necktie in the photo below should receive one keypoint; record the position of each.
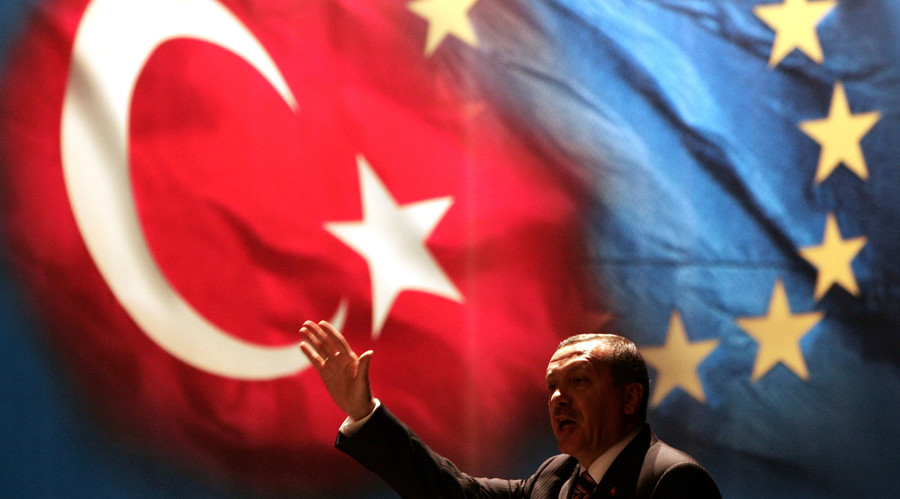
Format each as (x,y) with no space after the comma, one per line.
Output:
(584,486)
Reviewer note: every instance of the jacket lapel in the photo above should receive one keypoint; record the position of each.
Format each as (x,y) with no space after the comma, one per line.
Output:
(566,491)
(621,478)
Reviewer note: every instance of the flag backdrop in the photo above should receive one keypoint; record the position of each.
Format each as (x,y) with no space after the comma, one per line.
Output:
(459,184)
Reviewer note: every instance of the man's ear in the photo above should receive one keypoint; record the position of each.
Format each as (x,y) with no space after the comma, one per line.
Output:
(634,394)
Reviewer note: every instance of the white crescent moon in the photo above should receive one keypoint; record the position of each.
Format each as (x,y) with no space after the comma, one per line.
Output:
(113,42)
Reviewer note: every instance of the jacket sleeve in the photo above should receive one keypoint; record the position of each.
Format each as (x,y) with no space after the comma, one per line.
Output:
(394,452)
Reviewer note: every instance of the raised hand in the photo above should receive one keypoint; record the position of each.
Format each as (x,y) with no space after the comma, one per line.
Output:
(346,375)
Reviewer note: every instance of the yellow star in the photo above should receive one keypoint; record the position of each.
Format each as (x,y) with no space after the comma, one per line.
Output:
(778,334)
(445,17)
(676,362)
(839,135)
(794,22)
(832,258)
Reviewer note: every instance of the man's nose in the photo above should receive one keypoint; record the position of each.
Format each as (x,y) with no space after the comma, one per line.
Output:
(558,398)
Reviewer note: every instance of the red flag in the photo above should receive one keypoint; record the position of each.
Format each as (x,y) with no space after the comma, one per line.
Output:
(186,182)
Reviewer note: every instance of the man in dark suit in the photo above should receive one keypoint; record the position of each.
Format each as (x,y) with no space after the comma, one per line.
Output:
(598,387)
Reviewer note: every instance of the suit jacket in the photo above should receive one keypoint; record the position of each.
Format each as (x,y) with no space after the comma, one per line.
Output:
(646,468)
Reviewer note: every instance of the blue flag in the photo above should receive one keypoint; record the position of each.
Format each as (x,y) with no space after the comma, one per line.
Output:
(743,223)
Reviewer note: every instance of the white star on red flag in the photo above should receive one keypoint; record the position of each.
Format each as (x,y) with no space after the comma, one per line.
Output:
(391,238)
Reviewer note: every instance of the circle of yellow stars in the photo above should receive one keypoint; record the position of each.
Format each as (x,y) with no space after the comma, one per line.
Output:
(779,331)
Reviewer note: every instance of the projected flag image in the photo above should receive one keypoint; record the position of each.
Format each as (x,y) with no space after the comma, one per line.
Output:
(457,186)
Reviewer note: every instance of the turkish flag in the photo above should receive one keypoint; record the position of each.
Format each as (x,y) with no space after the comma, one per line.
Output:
(185,182)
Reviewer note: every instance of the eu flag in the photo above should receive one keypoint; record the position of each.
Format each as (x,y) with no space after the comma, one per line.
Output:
(743,226)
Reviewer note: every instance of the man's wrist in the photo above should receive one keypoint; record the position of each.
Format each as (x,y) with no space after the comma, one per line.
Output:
(351,425)
(364,412)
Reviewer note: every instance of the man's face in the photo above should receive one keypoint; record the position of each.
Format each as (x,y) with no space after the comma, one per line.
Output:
(588,413)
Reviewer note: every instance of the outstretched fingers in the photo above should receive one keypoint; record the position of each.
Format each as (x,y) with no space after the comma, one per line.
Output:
(314,344)
(322,342)
(336,340)
(316,360)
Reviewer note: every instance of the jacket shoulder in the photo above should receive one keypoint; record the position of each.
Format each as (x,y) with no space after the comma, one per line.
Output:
(671,473)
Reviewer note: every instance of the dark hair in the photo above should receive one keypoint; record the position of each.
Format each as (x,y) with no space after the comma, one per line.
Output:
(625,361)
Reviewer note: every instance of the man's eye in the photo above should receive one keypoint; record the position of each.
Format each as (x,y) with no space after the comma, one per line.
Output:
(551,388)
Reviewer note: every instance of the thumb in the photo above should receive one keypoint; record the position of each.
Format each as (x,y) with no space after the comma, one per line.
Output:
(363,369)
